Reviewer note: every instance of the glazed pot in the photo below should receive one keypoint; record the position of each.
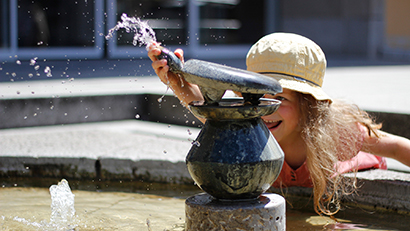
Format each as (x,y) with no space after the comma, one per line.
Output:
(235,158)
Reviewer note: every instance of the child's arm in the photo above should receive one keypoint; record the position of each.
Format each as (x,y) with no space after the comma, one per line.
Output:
(389,145)
(186,92)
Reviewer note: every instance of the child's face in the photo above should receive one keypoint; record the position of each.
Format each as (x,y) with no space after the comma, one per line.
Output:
(284,122)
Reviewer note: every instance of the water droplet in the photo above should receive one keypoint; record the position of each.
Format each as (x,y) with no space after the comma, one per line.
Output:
(52,107)
(25,117)
(18,62)
(30,75)
(37,67)
(189,132)
(137,116)
(33,61)
(195,142)
(165,151)
(47,70)
(18,92)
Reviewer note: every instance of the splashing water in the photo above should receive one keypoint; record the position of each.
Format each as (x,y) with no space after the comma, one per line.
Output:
(62,217)
(62,206)
(144,34)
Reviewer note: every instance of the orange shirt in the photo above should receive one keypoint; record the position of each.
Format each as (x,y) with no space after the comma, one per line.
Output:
(289,177)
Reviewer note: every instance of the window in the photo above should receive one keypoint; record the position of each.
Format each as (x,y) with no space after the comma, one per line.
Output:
(5,22)
(203,28)
(231,21)
(76,29)
(43,23)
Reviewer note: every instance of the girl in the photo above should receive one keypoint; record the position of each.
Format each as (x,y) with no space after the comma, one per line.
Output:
(321,138)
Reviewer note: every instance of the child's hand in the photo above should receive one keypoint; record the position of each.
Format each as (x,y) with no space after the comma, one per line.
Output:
(161,67)
(186,92)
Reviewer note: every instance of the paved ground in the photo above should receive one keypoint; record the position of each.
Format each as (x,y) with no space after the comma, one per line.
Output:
(374,88)
(129,139)
(373,85)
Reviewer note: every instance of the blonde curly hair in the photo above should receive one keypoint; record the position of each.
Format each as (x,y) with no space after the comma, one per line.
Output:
(331,132)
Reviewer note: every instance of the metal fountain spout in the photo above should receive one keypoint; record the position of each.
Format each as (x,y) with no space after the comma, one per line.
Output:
(214,79)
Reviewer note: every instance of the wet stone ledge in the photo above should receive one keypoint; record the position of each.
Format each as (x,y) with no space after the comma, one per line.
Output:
(73,168)
(85,109)
(101,169)
(377,189)
(382,189)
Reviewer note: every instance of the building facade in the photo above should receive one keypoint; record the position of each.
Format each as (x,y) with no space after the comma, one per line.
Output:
(205,29)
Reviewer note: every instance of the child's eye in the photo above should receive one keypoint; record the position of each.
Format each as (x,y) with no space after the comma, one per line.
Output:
(280,98)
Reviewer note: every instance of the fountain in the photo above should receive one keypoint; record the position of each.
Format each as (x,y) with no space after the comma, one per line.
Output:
(62,206)
(235,158)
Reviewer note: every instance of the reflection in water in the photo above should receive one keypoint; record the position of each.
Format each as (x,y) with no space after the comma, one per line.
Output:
(29,209)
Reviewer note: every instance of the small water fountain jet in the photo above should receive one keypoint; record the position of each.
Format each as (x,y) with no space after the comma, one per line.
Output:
(62,206)
(235,159)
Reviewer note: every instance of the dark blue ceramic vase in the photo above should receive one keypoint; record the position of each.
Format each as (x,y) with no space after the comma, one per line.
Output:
(235,158)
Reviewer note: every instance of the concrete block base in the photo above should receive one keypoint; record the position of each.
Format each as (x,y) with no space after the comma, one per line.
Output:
(203,212)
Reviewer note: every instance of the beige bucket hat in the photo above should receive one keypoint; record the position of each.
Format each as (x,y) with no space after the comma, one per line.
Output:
(296,62)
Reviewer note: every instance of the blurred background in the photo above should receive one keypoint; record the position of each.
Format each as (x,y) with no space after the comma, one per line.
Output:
(65,40)
(206,29)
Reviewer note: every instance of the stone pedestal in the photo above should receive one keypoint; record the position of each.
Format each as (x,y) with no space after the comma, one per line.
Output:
(203,212)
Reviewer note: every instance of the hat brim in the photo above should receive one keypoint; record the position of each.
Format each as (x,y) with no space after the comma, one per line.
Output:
(291,83)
